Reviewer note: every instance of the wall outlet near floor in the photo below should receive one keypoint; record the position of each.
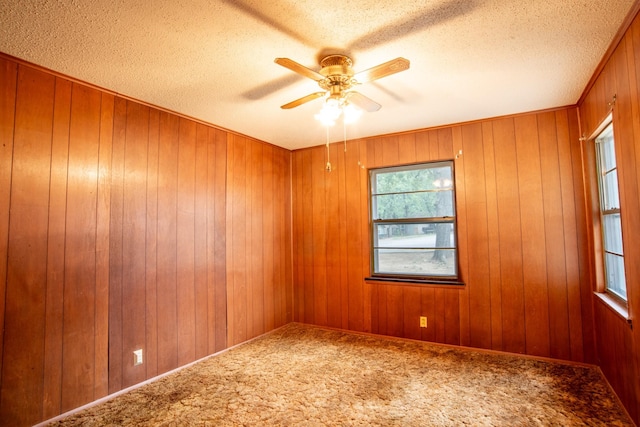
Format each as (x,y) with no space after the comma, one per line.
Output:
(137,357)
(423,321)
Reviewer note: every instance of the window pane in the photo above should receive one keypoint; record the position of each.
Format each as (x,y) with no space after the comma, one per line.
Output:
(420,262)
(615,275)
(610,196)
(411,178)
(607,149)
(423,235)
(413,205)
(612,233)
(423,196)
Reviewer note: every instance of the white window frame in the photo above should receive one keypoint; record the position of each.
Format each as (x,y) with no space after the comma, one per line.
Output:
(611,238)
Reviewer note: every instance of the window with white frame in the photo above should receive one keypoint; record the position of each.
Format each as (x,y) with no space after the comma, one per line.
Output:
(611,225)
(413,222)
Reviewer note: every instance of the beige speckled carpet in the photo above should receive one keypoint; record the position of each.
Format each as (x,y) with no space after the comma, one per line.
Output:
(305,376)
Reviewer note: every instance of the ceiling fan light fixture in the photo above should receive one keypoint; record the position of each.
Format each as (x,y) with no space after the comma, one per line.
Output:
(351,113)
(330,112)
(333,108)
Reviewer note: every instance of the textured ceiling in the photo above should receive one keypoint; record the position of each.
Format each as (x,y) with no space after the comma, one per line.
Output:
(470,59)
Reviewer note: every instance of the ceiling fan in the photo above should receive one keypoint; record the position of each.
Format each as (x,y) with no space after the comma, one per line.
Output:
(337,78)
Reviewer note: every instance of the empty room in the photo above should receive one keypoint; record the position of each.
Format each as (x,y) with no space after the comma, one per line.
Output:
(320,213)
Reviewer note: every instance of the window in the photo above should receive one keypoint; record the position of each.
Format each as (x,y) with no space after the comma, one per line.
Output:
(615,282)
(413,222)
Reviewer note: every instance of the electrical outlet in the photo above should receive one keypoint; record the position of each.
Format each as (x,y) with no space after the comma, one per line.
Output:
(137,357)
(423,321)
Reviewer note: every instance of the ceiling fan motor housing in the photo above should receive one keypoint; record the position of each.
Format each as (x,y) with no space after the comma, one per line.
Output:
(338,73)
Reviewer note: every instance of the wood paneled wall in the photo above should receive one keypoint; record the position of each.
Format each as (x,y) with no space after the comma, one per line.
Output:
(259,284)
(521,237)
(123,227)
(56,298)
(618,345)
(167,290)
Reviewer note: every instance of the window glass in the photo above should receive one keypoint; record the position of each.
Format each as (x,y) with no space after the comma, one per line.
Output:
(414,262)
(614,266)
(610,214)
(610,198)
(413,221)
(413,205)
(612,233)
(607,148)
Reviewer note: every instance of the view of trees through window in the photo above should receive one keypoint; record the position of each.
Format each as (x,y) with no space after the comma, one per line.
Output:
(413,220)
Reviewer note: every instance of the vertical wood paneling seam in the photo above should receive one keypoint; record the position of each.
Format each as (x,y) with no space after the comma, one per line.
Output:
(175,296)
(156,232)
(228,221)
(523,285)
(499,216)
(486,224)
(195,246)
(64,273)
(6,243)
(208,268)
(105,137)
(348,267)
(146,225)
(486,221)
(564,229)
(209,254)
(564,234)
(46,263)
(326,246)
(544,227)
(122,211)
(291,253)
(260,274)
(493,154)
(313,279)
(269,282)
(463,195)
(224,185)
(95,259)
(64,244)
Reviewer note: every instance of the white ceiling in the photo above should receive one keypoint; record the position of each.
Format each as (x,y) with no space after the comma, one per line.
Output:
(213,60)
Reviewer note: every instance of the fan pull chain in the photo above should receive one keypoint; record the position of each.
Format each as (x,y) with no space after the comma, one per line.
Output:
(344,134)
(328,167)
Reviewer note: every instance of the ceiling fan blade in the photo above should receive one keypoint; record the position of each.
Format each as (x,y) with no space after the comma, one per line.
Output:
(382,70)
(298,68)
(302,100)
(363,102)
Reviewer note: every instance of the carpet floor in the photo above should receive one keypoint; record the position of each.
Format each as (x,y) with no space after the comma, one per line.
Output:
(301,375)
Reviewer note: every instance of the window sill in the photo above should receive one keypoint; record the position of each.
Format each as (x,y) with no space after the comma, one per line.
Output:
(422,282)
(614,306)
